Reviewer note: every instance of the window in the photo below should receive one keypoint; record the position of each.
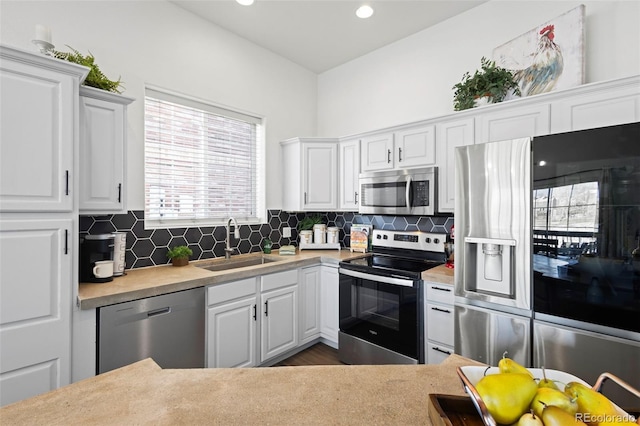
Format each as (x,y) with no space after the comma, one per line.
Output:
(203,163)
(570,208)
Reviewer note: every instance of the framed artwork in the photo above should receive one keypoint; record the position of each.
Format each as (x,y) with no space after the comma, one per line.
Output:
(548,57)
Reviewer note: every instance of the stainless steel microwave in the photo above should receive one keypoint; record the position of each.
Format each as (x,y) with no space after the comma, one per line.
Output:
(399,192)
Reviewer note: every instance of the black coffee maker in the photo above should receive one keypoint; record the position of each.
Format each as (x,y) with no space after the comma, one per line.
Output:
(94,248)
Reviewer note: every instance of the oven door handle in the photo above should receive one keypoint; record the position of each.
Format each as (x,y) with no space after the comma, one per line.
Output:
(378,278)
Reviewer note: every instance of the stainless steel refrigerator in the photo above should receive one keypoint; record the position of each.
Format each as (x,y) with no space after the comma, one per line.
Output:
(493,307)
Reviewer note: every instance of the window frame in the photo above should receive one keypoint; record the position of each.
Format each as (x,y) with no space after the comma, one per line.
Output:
(218,109)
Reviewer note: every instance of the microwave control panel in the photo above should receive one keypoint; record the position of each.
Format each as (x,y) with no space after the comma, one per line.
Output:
(420,192)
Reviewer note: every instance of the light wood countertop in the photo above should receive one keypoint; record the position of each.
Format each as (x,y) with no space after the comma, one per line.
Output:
(143,393)
(156,280)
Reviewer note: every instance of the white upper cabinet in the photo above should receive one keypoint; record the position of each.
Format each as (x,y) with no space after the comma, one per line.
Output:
(103,118)
(349,169)
(450,135)
(415,147)
(377,152)
(410,147)
(596,107)
(518,121)
(310,174)
(38,112)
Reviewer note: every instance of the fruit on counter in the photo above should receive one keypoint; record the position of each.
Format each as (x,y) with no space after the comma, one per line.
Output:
(507,365)
(547,383)
(590,401)
(507,396)
(545,397)
(556,416)
(529,419)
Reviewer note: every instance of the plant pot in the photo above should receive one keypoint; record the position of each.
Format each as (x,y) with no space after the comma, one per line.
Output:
(482,101)
(180,261)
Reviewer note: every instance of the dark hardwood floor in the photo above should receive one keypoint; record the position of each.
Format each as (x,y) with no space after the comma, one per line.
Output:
(318,354)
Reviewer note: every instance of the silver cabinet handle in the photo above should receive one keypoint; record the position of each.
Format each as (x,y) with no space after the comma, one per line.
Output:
(388,156)
(305,198)
(400,154)
(356,198)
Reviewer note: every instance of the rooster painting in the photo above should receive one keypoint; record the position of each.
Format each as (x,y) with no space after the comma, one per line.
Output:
(549,57)
(546,67)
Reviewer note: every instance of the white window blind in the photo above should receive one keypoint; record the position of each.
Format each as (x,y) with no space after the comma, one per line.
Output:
(203,163)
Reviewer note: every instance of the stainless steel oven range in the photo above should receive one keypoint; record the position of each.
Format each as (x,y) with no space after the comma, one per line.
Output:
(382,299)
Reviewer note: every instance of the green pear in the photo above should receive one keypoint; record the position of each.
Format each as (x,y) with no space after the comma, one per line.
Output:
(590,401)
(547,396)
(556,416)
(507,396)
(529,419)
(547,383)
(507,365)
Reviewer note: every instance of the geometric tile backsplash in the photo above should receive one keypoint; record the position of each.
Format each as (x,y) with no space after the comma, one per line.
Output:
(148,247)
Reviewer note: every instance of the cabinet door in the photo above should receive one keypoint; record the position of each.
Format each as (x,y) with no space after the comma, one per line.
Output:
(320,176)
(436,353)
(279,331)
(309,287)
(349,160)
(231,335)
(450,135)
(377,152)
(600,109)
(440,323)
(38,112)
(329,315)
(415,147)
(102,135)
(35,306)
(512,123)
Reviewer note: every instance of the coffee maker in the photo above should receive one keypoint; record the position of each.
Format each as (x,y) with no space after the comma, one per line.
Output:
(95,248)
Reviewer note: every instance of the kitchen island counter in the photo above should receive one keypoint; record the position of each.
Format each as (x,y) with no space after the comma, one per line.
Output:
(143,393)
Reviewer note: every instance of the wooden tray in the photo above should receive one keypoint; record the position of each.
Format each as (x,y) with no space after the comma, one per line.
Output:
(453,410)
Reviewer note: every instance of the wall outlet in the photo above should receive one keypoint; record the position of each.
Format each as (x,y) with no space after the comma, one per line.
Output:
(286,232)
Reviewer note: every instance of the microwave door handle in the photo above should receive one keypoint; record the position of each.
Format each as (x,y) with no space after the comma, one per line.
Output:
(407,193)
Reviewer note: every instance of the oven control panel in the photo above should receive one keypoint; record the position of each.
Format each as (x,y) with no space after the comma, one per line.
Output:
(414,240)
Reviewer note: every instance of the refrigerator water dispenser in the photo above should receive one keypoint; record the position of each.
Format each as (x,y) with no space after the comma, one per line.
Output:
(494,266)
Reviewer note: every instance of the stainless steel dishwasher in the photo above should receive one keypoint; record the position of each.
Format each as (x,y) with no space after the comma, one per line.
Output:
(168,328)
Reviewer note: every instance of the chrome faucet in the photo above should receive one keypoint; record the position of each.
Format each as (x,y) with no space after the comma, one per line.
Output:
(236,233)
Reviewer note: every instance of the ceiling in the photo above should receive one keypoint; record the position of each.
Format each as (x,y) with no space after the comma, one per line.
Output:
(322,34)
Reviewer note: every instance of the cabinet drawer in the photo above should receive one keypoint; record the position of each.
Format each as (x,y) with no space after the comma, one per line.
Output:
(230,291)
(441,293)
(436,353)
(280,279)
(440,323)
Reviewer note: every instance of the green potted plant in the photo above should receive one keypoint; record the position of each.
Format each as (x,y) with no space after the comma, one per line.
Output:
(306,224)
(491,81)
(95,78)
(179,255)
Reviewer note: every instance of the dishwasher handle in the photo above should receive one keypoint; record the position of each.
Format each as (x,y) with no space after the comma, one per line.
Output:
(160,311)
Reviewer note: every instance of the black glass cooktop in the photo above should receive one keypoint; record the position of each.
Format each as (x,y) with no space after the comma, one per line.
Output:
(383,264)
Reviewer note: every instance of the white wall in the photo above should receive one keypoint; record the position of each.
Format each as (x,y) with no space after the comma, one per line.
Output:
(412,79)
(156,42)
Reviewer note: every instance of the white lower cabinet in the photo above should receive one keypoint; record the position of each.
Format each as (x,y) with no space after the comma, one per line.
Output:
(309,313)
(253,320)
(439,322)
(329,313)
(232,322)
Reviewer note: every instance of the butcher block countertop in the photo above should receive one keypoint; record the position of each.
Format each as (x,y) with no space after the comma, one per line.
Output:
(143,394)
(156,280)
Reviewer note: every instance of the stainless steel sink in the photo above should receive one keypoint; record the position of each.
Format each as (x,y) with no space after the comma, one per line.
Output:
(224,264)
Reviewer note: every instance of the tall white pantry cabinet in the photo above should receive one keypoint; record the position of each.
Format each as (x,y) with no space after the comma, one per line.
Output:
(39,116)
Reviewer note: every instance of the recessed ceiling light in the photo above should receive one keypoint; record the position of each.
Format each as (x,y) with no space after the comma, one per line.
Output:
(245,2)
(364,11)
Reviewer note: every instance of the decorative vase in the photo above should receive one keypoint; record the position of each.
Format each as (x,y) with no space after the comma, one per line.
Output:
(484,100)
(180,261)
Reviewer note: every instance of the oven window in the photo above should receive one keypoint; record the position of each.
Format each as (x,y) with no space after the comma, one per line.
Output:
(376,306)
(388,194)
